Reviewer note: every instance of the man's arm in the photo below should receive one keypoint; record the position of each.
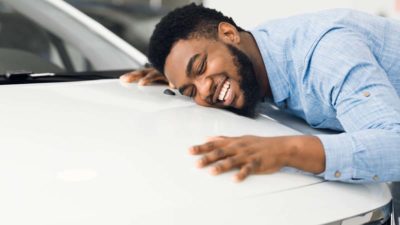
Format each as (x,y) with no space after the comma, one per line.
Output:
(350,80)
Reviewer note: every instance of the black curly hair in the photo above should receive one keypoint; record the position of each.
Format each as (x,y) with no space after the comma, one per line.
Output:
(181,24)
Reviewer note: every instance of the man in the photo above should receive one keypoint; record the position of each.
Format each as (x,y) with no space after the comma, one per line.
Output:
(336,69)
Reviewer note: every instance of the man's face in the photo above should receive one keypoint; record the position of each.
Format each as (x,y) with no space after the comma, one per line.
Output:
(214,74)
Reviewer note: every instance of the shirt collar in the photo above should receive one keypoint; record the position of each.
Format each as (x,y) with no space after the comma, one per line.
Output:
(276,77)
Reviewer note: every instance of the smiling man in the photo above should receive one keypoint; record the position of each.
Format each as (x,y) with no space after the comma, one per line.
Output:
(336,69)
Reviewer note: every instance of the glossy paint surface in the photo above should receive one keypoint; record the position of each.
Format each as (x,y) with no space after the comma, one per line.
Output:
(102,152)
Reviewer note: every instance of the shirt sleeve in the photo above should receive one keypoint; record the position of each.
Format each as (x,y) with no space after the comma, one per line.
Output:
(346,76)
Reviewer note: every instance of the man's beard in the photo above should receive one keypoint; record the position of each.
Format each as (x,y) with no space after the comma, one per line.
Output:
(248,83)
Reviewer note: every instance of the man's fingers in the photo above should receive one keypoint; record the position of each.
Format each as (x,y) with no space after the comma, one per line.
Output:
(213,156)
(244,172)
(135,75)
(205,148)
(144,76)
(132,76)
(152,77)
(226,165)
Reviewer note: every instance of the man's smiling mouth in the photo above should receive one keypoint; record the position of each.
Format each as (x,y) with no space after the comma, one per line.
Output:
(223,95)
(224,91)
(218,89)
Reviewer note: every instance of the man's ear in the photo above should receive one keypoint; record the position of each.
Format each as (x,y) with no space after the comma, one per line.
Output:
(228,33)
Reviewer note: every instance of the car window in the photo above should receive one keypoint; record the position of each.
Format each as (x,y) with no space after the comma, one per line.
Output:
(25,41)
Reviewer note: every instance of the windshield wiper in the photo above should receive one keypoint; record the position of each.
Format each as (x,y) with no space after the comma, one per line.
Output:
(23,76)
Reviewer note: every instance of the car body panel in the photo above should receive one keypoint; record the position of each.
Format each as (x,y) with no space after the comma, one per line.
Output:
(102,152)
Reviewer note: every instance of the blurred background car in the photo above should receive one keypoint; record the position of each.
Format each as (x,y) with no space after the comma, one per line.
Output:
(132,20)
(40,40)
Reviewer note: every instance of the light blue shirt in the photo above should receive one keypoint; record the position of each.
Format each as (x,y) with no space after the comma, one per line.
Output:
(340,69)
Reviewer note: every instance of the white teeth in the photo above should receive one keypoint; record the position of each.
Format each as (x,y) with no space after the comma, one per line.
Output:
(224,91)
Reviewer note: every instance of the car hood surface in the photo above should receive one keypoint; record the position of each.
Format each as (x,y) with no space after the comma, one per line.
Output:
(100,152)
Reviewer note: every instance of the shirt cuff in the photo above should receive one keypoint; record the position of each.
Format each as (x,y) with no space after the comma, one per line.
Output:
(338,156)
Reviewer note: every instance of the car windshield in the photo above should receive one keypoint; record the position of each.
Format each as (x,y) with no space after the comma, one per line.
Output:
(51,36)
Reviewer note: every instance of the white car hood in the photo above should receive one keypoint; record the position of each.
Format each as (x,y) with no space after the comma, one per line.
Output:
(100,152)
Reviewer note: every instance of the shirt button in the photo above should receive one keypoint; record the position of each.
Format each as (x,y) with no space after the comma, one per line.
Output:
(338,174)
(366,94)
(376,178)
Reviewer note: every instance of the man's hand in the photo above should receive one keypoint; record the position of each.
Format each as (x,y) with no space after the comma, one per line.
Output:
(253,154)
(144,76)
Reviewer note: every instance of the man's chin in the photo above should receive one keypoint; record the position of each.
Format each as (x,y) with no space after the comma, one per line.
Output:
(247,111)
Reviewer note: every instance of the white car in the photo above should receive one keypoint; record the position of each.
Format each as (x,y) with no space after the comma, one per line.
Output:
(96,151)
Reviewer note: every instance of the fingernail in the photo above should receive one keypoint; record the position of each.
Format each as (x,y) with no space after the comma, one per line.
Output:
(123,77)
(141,82)
(199,163)
(214,171)
(236,178)
(192,150)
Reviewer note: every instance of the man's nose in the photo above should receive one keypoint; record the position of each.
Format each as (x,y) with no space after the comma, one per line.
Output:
(204,86)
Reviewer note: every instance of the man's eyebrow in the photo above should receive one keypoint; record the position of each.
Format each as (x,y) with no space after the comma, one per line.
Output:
(189,66)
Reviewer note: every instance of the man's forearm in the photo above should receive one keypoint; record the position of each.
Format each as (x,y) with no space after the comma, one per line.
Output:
(305,153)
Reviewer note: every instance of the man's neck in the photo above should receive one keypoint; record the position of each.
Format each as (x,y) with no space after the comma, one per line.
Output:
(250,47)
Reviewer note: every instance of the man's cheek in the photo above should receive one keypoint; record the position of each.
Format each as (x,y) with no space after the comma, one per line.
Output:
(217,65)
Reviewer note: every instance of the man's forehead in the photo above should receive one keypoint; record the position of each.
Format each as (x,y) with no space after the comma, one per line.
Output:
(187,48)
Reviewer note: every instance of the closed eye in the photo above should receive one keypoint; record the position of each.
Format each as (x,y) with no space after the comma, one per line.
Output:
(203,65)
(192,92)
(188,90)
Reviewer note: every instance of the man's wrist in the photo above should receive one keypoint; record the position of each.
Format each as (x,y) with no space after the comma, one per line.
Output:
(305,153)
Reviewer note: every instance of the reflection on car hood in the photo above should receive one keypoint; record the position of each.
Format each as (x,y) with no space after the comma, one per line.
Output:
(99,152)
